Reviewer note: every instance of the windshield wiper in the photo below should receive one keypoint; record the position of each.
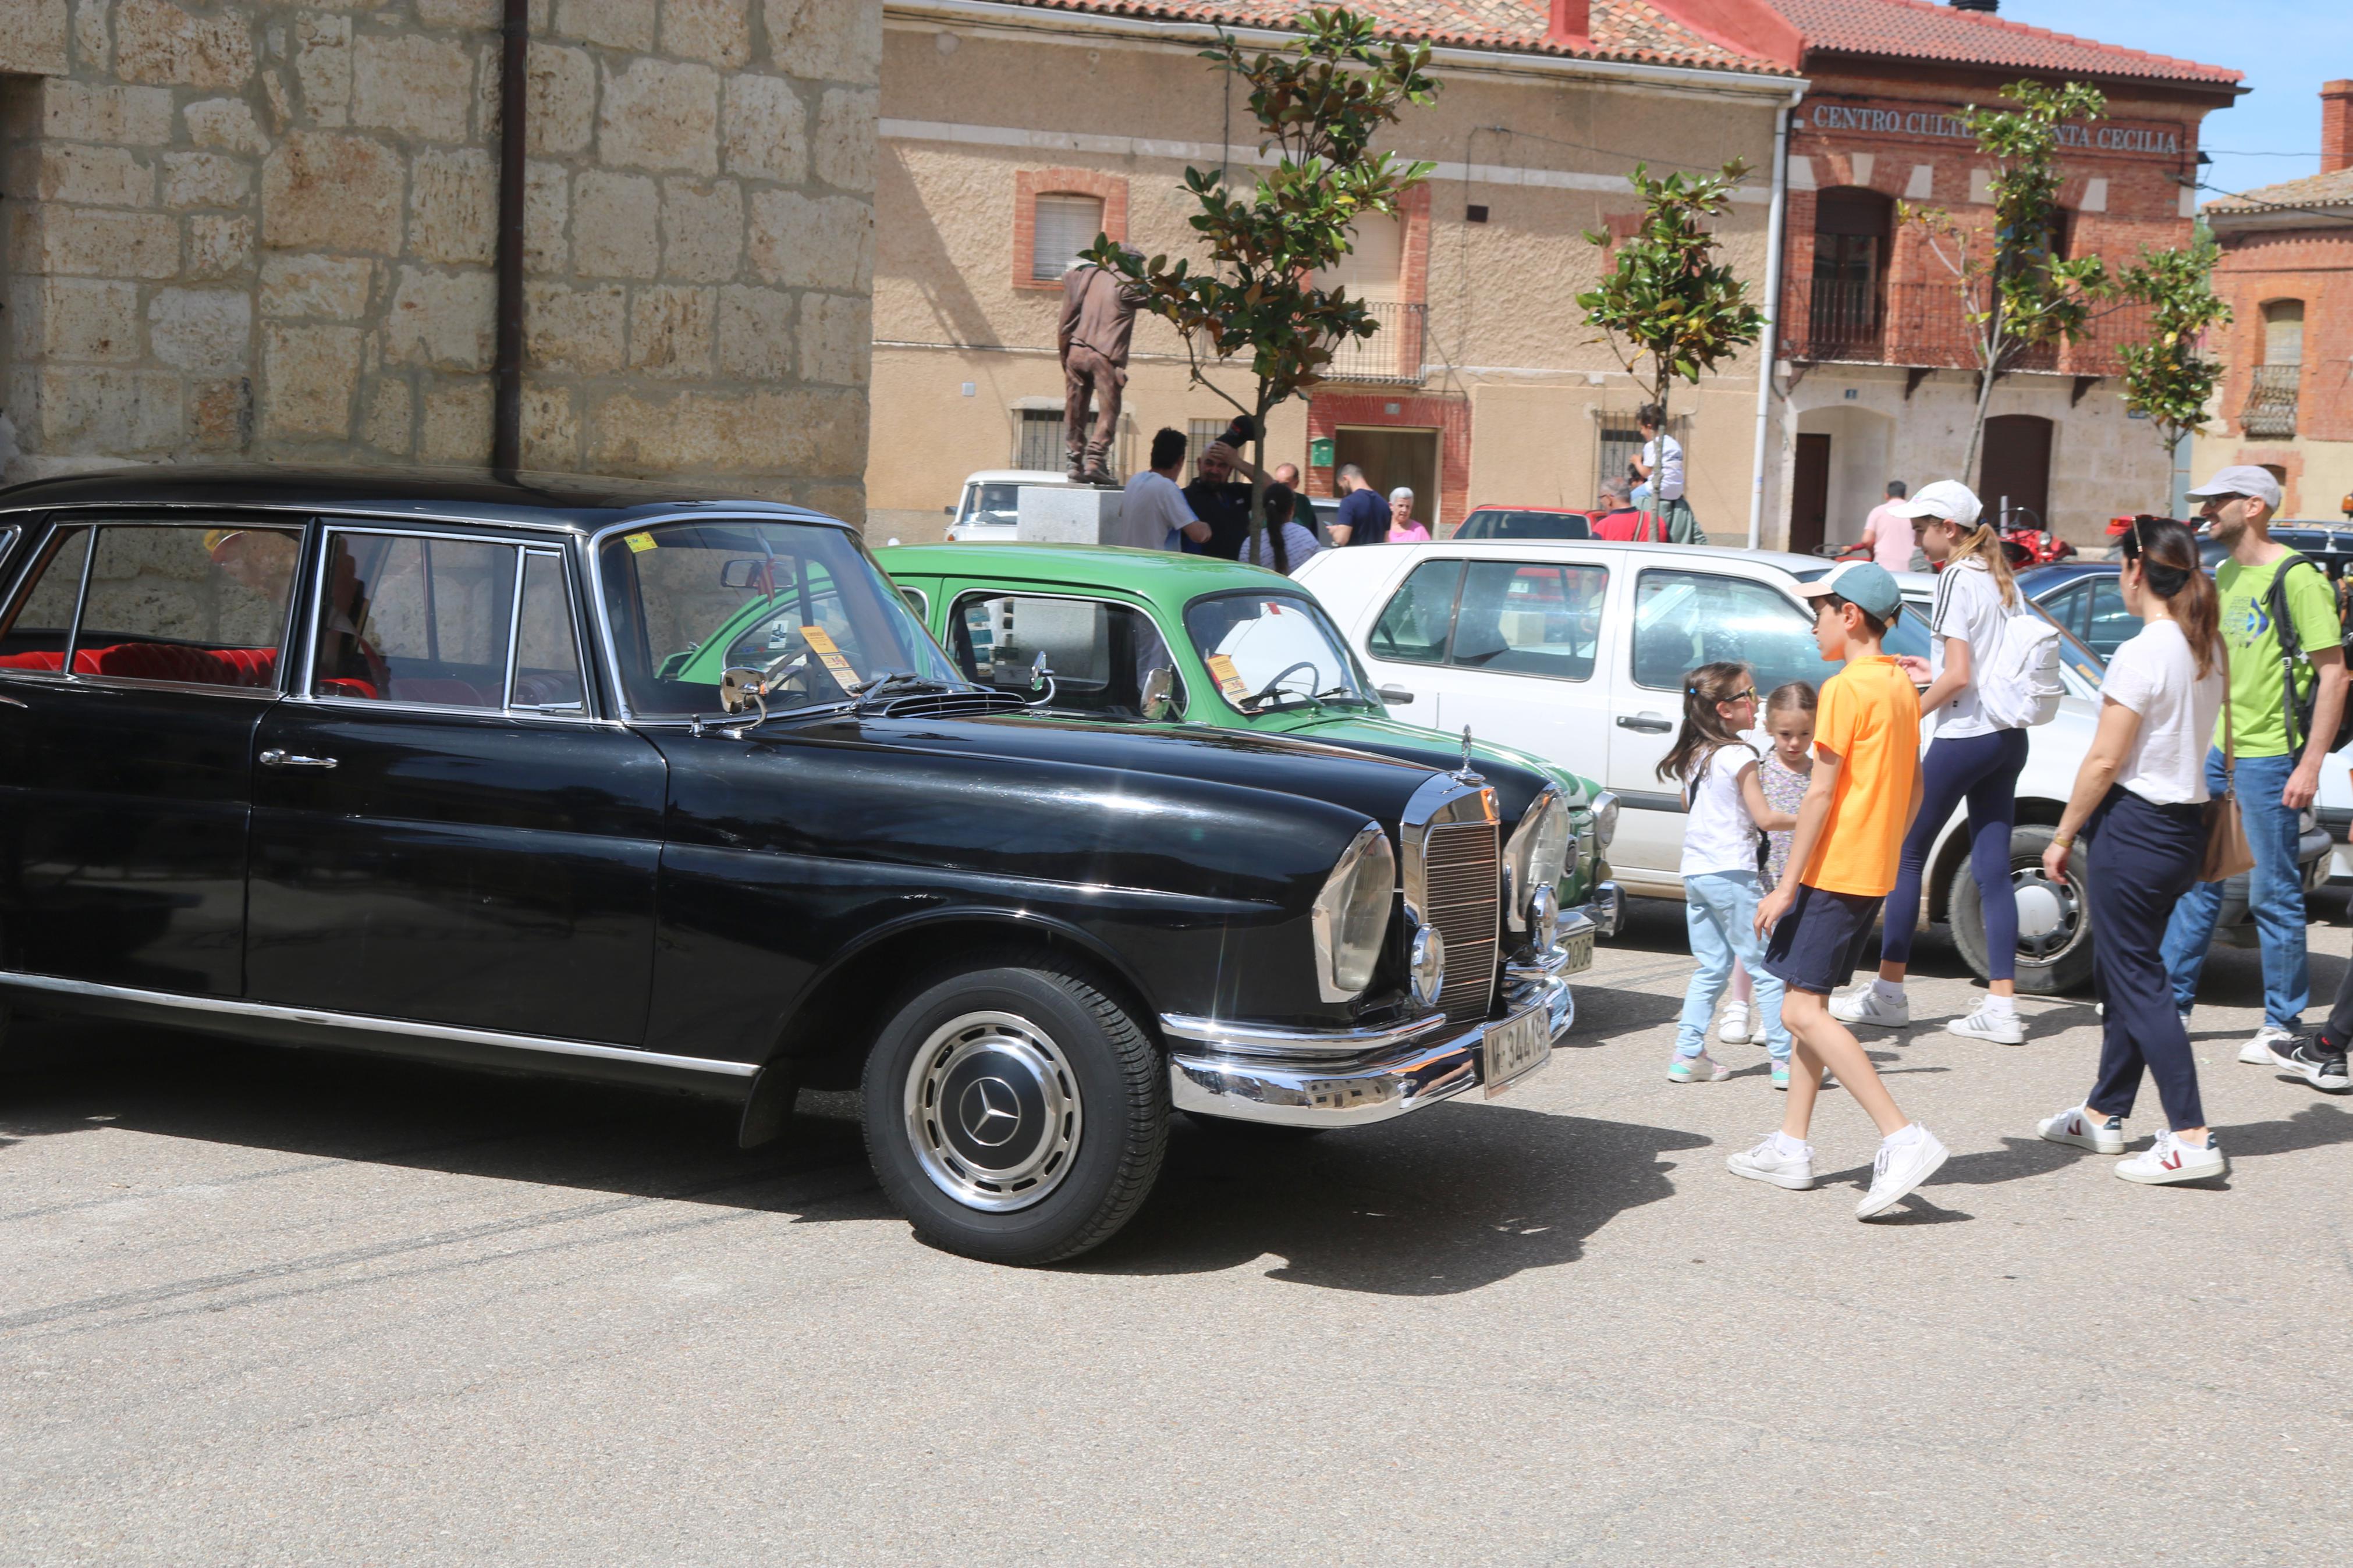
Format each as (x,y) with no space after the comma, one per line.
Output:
(1343,694)
(903,680)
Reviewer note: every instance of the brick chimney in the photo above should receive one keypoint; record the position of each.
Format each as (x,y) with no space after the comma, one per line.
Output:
(1571,25)
(2336,126)
(1977,5)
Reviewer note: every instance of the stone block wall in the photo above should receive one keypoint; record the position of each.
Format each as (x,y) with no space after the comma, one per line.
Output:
(267,231)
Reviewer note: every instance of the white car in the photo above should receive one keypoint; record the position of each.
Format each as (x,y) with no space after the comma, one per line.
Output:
(1575,650)
(987,512)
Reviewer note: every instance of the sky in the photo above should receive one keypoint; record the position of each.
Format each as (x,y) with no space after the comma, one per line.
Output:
(2286,47)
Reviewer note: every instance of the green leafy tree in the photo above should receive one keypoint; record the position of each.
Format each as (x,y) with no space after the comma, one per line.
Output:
(2018,295)
(1668,306)
(2168,380)
(1319,105)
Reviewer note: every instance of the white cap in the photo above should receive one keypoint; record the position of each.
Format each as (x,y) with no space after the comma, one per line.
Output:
(2241,479)
(1947,500)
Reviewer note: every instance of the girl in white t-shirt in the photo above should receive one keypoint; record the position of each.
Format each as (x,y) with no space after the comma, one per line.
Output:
(2140,802)
(1727,810)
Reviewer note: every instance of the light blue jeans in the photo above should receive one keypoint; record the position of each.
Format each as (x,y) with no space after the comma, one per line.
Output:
(1720,913)
(2274,897)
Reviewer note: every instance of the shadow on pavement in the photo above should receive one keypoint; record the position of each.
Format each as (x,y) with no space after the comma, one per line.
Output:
(1446,1201)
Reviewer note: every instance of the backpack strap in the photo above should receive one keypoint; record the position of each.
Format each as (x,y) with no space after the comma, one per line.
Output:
(2291,645)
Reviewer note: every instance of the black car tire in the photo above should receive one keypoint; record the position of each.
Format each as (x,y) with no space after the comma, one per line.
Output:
(2060,969)
(1016,1037)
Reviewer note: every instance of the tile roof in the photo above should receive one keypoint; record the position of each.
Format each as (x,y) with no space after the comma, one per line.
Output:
(2330,190)
(1622,30)
(1915,29)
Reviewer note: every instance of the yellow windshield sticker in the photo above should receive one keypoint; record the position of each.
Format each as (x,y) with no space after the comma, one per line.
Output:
(639,542)
(1229,679)
(821,644)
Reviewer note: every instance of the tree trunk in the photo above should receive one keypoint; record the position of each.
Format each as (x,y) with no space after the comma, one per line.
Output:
(1992,364)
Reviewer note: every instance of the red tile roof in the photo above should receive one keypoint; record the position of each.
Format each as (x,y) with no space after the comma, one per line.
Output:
(2334,189)
(1913,29)
(1624,30)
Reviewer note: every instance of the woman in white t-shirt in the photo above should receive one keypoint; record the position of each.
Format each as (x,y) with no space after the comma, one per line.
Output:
(1726,812)
(1972,759)
(2140,802)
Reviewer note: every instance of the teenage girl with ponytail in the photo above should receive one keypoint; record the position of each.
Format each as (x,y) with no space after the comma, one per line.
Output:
(1727,809)
(2140,804)
(1971,758)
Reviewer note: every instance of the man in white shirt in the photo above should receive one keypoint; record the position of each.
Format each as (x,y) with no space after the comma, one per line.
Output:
(1662,464)
(1153,511)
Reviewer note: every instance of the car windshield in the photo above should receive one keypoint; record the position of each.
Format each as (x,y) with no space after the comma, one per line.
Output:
(994,502)
(688,601)
(1266,651)
(1496,522)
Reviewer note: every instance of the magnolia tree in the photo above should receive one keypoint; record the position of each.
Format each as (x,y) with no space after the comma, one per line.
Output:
(2016,294)
(1319,105)
(1668,306)
(2168,378)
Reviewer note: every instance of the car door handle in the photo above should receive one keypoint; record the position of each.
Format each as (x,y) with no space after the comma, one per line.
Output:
(274,758)
(1649,722)
(1396,694)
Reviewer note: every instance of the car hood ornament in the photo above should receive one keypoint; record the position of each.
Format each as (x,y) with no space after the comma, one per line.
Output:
(1469,772)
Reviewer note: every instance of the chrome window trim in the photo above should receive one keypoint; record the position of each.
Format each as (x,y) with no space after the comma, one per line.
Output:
(1184,695)
(579,655)
(237,1007)
(308,509)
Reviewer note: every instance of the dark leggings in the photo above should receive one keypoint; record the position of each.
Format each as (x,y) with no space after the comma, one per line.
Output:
(1982,770)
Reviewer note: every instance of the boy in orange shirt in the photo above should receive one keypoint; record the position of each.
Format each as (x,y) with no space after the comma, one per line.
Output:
(1860,801)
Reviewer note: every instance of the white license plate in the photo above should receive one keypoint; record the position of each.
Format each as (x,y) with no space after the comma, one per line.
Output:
(1516,1048)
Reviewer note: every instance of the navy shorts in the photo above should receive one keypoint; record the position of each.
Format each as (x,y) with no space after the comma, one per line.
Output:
(1814,946)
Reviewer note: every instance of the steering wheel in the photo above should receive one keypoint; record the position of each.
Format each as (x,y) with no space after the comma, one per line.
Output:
(1268,690)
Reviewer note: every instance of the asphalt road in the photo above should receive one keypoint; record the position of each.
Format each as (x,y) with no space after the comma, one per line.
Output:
(263,1307)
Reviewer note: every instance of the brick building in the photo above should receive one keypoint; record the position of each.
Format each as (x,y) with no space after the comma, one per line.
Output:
(1876,376)
(269,231)
(2286,400)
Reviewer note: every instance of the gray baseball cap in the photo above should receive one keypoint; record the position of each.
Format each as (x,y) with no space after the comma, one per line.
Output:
(2241,479)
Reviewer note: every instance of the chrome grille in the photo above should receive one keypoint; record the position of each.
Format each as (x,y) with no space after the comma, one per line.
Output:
(1462,874)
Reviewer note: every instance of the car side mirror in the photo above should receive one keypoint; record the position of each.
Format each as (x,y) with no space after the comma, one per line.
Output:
(1395,696)
(1159,692)
(740,690)
(1041,681)
(741,572)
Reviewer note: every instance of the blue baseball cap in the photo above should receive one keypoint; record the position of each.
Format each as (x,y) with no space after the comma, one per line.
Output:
(1867,584)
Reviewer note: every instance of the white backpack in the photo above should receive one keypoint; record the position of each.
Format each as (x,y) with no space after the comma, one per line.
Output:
(2019,685)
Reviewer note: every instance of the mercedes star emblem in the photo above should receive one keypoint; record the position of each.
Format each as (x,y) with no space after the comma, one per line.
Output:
(990,1112)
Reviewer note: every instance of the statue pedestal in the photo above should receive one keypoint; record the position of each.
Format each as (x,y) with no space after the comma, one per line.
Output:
(1067,514)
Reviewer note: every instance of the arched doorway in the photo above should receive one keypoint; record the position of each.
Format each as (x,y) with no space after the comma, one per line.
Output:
(2016,467)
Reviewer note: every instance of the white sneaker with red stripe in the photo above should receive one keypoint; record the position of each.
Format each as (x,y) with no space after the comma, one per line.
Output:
(2085,1130)
(2170,1160)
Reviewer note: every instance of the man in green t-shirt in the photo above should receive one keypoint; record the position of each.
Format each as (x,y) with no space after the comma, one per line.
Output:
(2278,771)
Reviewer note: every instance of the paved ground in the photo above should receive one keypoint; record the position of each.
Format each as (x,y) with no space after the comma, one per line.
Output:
(273,1307)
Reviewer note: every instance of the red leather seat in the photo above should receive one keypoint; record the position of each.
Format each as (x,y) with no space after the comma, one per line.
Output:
(341,686)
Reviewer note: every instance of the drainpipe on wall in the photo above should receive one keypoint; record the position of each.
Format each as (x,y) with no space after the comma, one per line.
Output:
(1765,343)
(506,376)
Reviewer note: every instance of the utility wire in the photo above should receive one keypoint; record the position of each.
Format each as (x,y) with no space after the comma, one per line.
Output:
(2273,206)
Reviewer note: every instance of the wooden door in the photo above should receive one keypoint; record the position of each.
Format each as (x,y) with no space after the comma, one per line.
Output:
(1810,494)
(2017,465)
(1391,457)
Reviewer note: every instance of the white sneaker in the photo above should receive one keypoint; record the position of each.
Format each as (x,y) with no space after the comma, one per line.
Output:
(2085,1130)
(1767,1163)
(2257,1052)
(1735,1030)
(1900,1168)
(1865,1006)
(1984,1024)
(2170,1160)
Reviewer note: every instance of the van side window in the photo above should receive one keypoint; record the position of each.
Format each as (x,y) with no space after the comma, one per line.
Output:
(1414,628)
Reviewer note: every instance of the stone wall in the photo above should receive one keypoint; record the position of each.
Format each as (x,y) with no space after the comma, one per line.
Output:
(267,231)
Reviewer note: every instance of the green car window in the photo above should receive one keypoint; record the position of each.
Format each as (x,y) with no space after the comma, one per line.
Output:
(1100,654)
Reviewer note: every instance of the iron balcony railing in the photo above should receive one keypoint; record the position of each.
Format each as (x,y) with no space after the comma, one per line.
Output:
(1924,326)
(2271,401)
(1393,353)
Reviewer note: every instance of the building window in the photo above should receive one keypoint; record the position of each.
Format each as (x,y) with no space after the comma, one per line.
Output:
(1066,226)
(1850,284)
(1058,212)
(2270,412)
(1038,440)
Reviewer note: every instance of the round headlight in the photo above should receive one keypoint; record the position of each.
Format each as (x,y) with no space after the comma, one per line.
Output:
(1544,918)
(1538,852)
(1427,969)
(1605,819)
(1351,915)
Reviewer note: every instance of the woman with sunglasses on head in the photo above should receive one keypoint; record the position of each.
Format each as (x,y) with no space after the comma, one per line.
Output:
(2139,802)
(1973,758)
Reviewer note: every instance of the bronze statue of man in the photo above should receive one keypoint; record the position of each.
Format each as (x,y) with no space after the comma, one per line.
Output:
(1097,316)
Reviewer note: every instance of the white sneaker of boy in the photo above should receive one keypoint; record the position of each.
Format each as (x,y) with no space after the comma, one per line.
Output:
(1864,1004)
(1899,1168)
(2170,1159)
(2085,1130)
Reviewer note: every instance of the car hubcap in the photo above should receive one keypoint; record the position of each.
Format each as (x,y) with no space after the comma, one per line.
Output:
(2050,915)
(993,1112)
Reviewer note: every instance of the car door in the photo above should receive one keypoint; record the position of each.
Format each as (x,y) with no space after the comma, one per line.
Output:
(1523,663)
(137,659)
(445,830)
(1404,641)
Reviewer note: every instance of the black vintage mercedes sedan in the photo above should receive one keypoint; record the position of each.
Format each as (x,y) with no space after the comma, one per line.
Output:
(560,776)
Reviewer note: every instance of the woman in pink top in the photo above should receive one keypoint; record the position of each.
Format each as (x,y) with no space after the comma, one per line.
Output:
(1403,528)
(1888,533)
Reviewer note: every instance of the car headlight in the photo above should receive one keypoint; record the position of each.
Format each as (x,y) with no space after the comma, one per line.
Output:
(1538,852)
(1605,819)
(1427,970)
(1352,915)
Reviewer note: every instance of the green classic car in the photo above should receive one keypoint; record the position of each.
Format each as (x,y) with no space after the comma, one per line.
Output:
(1144,636)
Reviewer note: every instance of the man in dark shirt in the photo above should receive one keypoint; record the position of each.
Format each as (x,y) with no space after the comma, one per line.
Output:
(1364,516)
(1222,502)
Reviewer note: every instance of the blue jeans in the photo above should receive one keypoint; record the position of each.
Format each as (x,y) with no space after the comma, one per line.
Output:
(1720,913)
(2274,897)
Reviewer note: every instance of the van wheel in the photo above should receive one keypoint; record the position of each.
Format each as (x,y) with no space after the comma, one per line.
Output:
(2054,918)
(1014,1111)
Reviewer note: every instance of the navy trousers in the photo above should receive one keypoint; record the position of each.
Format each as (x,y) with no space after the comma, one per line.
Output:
(2139,859)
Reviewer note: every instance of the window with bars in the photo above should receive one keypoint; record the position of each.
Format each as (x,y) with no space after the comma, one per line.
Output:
(1064,226)
(1621,441)
(1038,440)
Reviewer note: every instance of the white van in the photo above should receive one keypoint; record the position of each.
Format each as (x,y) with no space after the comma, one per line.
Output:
(988,510)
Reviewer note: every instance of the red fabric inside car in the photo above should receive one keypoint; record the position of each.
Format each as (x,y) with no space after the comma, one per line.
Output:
(250,667)
(337,686)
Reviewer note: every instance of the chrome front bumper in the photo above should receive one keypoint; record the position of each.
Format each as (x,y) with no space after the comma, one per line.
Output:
(1605,909)
(1350,1078)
